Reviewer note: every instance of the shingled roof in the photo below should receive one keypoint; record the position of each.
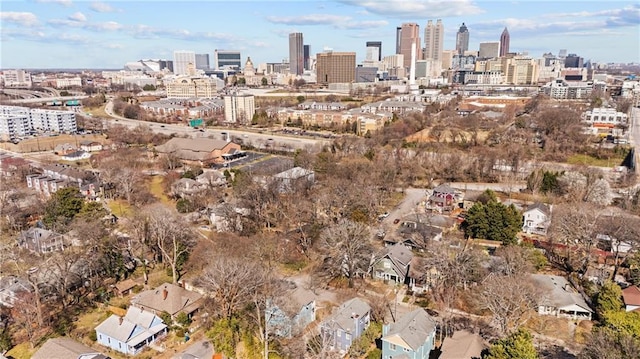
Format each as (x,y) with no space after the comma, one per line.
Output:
(412,330)
(168,298)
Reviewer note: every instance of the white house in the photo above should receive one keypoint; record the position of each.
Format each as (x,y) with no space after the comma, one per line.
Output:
(536,219)
(631,297)
(131,333)
(76,156)
(560,299)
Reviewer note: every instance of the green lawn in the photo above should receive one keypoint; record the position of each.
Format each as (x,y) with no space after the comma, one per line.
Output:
(582,159)
(155,187)
(21,351)
(119,207)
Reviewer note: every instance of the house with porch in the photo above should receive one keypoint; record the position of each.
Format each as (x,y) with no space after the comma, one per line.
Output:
(537,218)
(41,241)
(560,299)
(392,264)
(346,324)
(132,333)
(412,336)
(291,321)
(443,198)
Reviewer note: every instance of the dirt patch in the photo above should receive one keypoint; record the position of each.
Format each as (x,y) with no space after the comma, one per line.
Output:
(39,144)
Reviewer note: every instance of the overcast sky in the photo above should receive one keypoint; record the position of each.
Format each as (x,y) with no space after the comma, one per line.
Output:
(107,34)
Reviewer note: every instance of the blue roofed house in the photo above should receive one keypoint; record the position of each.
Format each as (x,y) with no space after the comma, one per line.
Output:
(413,336)
(131,333)
(346,324)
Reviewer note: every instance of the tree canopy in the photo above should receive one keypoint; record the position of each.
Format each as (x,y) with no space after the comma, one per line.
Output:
(493,220)
(63,206)
(518,345)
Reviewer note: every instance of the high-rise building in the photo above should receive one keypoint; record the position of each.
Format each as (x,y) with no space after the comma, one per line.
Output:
(504,42)
(202,61)
(489,50)
(296,53)
(182,61)
(307,57)
(410,37)
(227,59)
(433,40)
(398,38)
(573,60)
(462,39)
(374,51)
(239,108)
(335,67)
(16,78)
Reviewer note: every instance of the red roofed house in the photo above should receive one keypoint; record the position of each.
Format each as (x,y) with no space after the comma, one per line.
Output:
(631,298)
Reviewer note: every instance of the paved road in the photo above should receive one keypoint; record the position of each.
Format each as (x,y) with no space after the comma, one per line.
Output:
(258,140)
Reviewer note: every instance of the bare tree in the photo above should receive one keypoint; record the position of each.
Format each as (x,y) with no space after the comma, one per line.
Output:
(512,300)
(346,250)
(173,240)
(574,228)
(623,232)
(232,282)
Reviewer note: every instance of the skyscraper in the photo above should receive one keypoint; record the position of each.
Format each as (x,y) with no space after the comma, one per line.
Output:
(374,51)
(489,50)
(433,40)
(307,57)
(182,61)
(409,36)
(504,42)
(335,67)
(296,53)
(227,59)
(462,39)
(398,38)
(202,61)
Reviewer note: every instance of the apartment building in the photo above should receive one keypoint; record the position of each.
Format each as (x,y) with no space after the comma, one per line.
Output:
(68,82)
(239,108)
(560,89)
(18,121)
(605,117)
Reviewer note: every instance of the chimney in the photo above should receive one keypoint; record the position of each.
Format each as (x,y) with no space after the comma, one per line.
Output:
(165,293)
(120,320)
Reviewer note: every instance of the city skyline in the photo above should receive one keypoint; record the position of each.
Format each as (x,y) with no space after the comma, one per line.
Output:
(74,34)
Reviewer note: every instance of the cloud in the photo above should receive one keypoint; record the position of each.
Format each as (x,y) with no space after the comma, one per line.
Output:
(78,16)
(45,37)
(311,19)
(148,32)
(337,21)
(418,8)
(20,18)
(115,46)
(65,3)
(89,26)
(102,7)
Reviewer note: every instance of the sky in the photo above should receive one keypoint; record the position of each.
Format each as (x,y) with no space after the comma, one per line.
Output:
(108,34)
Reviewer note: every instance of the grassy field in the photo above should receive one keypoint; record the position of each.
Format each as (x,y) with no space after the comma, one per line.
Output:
(582,159)
(119,207)
(155,187)
(97,111)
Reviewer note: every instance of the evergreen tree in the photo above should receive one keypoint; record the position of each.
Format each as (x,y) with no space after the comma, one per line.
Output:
(609,298)
(63,206)
(518,345)
(493,220)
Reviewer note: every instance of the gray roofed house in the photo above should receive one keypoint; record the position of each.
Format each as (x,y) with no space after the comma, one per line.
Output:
(131,333)
(41,241)
(393,264)
(346,324)
(560,298)
(202,349)
(413,335)
(66,348)
(11,287)
(168,298)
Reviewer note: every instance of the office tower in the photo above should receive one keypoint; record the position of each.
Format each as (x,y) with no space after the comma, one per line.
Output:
(409,37)
(227,59)
(504,42)
(462,39)
(573,60)
(433,40)
(202,61)
(374,51)
(182,60)
(489,50)
(398,38)
(296,53)
(335,67)
(562,53)
(307,57)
